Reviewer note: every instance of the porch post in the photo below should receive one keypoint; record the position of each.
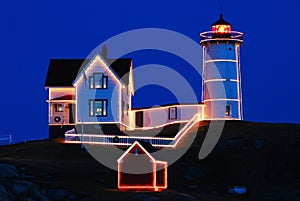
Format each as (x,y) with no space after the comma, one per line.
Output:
(82,134)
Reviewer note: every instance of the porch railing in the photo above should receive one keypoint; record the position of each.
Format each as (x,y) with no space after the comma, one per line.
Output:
(116,140)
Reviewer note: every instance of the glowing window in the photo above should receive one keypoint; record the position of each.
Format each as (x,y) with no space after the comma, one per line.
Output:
(91,81)
(228,110)
(98,107)
(98,81)
(104,82)
(91,108)
(221,28)
(58,108)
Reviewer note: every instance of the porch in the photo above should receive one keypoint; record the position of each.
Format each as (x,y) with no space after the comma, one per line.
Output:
(62,111)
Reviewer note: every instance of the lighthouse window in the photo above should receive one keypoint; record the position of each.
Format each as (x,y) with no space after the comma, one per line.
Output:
(228,110)
(172,113)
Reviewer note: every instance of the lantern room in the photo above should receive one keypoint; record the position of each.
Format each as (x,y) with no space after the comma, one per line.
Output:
(221,28)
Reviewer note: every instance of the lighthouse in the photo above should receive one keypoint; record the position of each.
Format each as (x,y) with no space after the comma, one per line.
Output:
(221,75)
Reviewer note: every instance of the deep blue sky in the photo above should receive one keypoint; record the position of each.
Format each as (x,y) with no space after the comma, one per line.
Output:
(32,32)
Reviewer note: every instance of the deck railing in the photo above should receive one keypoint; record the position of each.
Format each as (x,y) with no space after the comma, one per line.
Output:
(129,140)
(5,139)
(116,140)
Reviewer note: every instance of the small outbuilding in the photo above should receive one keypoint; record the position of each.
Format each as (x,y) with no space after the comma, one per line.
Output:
(139,171)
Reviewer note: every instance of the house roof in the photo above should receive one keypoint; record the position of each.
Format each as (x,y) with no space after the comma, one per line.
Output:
(121,68)
(175,104)
(148,146)
(62,72)
(66,97)
(136,143)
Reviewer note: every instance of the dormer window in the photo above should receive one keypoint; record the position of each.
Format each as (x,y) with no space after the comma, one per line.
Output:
(98,81)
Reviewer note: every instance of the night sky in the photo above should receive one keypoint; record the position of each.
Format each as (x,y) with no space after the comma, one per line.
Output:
(32,32)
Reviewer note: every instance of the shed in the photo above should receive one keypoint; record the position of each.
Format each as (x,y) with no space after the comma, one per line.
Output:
(139,171)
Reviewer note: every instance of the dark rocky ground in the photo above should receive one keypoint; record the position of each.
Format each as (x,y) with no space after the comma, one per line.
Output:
(263,157)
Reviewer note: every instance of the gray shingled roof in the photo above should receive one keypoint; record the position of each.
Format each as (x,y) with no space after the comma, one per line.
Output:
(62,72)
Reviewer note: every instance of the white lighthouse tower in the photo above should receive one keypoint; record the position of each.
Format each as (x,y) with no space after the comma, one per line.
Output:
(221,94)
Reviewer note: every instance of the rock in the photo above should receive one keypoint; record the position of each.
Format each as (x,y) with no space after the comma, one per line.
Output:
(234,143)
(187,176)
(259,144)
(100,180)
(44,198)
(61,194)
(28,190)
(8,171)
(222,145)
(185,197)
(72,197)
(84,199)
(46,175)
(22,187)
(25,176)
(145,197)
(3,193)
(22,169)
(35,193)
(83,194)
(193,173)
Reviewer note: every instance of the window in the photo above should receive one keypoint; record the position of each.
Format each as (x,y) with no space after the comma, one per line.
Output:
(91,81)
(98,107)
(104,82)
(98,81)
(58,108)
(172,113)
(228,110)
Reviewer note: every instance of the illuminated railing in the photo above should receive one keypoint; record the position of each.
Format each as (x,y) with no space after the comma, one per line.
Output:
(185,129)
(129,140)
(115,140)
(210,36)
(5,139)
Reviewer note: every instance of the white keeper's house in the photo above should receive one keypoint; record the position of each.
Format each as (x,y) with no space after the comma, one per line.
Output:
(96,93)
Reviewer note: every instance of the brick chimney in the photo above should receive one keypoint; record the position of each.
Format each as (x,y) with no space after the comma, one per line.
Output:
(104,51)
